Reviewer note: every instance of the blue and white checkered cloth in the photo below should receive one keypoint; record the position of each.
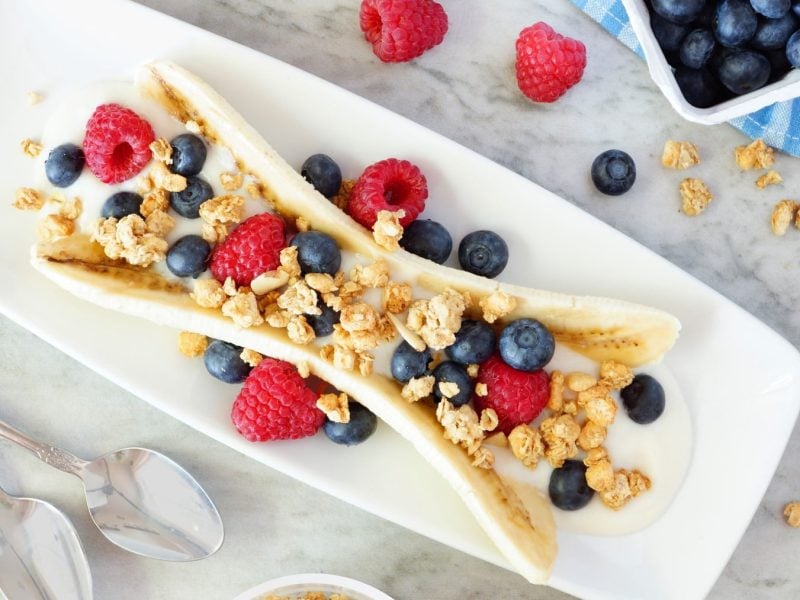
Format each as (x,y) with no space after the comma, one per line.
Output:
(778,124)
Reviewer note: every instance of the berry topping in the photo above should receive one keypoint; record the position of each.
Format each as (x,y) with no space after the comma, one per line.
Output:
(390,184)
(772,34)
(735,23)
(449,372)
(323,324)
(188,257)
(224,362)
(516,396)
(427,239)
(772,9)
(548,64)
(474,343)
(64,165)
(643,399)
(526,344)
(568,489)
(697,47)
(483,253)
(669,35)
(187,202)
(407,363)
(251,249)
(121,205)
(679,11)
(117,143)
(744,71)
(362,424)
(276,404)
(613,172)
(400,30)
(793,49)
(321,171)
(698,86)
(317,252)
(188,155)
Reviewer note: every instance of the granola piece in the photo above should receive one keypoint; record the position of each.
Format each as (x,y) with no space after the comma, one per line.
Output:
(162,150)
(344,358)
(596,391)
(225,210)
(448,389)
(570,407)
(321,282)
(231,180)
(71,209)
(792,513)
(192,344)
(213,234)
(679,155)
(275,317)
(28,199)
(299,299)
(483,458)
(498,439)
(128,238)
(208,293)
(289,264)
(461,425)
(159,223)
(592,435)
(695,196)
(335,407)
(580,382)
(375,275)
(437,320)
(602,410)
(301,224)
(756,155)
(615,375)
(242,309)
(333,301)
(625,488)
(473,369)
(769,178)
(418,388)
(359,316)
(229,286)
(154,200)
(396,297)
(251,357)
(193,127)
(409,336)
(489,419)
(599,472)
(556,401)
(30,148)
(163,178)
(386,329)
(559,435)
(33,98)
(783,214)
(299,330)
(326,352)
(364,363)
(387,230)
(481,390)
(343,196)
(497,305)
(350,290)
(638,482)
(526,445)
(269,282)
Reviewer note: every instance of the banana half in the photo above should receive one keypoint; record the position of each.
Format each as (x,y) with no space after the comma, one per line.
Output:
(519,522)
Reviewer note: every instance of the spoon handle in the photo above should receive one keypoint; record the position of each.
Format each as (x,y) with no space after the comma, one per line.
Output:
(55,457)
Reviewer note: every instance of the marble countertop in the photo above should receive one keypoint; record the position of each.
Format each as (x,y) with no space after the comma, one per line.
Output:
(465,90)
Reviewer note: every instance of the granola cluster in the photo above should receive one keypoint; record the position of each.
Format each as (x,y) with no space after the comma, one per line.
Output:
(192,344)
(679,155)
(695,196)
(130,238)
(464,427)
(387,230)
(438,319)
(756,155)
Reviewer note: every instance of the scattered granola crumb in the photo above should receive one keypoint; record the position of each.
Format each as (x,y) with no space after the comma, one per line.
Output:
(396,297)
(343,358)
(481,390)
(251,357)
(340,199)
(275,317)
(208,293)
(28,199)
(30,148)
(461,425)
(556,401)
(350,290)
(54,226)
(599,472)
(418,388)
(756,155)
(128,238)
(387,230)
(288,260)
(359,316)
(473,369)
(695,196)
(335,407)
(489,419)
(792,513)
(769,178)
(71,209)
(483,458)
(163,178)
(192,344)
(782,215)
(497,305)
(222,210)
(437,320)
(615,375)
(242,309)
(626,487)
(326,352)
(580,382)
(301,224)
(162,150)
(364,362)
(299,330)
(679,155)
(375,275)
(33,98)
(559,435)
(601,409)
(592,435)
(448,389)
(154,200)
(526,445)
(303,369)
(268,282)
(159,223)
(231,180)
(299,299)
(229,286)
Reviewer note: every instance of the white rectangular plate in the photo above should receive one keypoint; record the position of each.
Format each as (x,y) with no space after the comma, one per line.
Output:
(739,378)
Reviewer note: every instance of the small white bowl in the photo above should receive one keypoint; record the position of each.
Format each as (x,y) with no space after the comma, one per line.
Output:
(294,585)
(661,72)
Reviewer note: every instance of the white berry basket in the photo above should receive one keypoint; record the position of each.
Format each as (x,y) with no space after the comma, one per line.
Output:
(296,586)
(661,72)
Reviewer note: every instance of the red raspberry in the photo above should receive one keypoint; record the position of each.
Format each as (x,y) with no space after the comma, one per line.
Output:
(117,143)
(400,30)
(276,404)
(548,64)
(251,249)
(390,184)
(516,396)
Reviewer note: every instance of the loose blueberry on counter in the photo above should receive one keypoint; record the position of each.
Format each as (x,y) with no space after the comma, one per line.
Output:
(772,9)
(643,399)
(699,86)
(321,171)
(188,155)
(526,345)
(407,363)
(121,205)
(317,252)
(64,165)
(744,71)
(224,362)
(668,35)
(735,23)
(453,372)
(773,34)
(568,489)
(362,425)
(697,48)
(793,49)
(679,11)
(483,253)
(187,203)
(323,324)
(427,239)
(474,343)
(613,172)
(188,257)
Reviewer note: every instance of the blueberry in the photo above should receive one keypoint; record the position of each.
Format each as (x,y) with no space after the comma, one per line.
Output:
(698,86)
(474,343)
(772,9)
(568,489)
(744,71)
(643,399)
(793,49)
(679,11)
(427,239)
(362,424)
(483,253)
(121,205)
(668,35)
(317,252)
(407,363)
(613,172)
(64,165)
(188,155)
(796,7)
(452,372)
(773,34)
(323,324)
(526,345)
(697,48)
(735,22)
(321,171)
(188,257)
(187,203)
(222,361)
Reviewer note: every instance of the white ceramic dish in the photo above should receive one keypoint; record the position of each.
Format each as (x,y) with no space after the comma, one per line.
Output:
(661,72)
(739,377)
(296,585)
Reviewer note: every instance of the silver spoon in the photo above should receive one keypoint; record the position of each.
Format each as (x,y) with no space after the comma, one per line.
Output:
(41,557)
(140,500)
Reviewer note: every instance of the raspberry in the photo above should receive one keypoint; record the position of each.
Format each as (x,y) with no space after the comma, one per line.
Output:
(251,249)
(516,396)
(548,64)
(116,143)
(276,404)
(400,30)
(390,184)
